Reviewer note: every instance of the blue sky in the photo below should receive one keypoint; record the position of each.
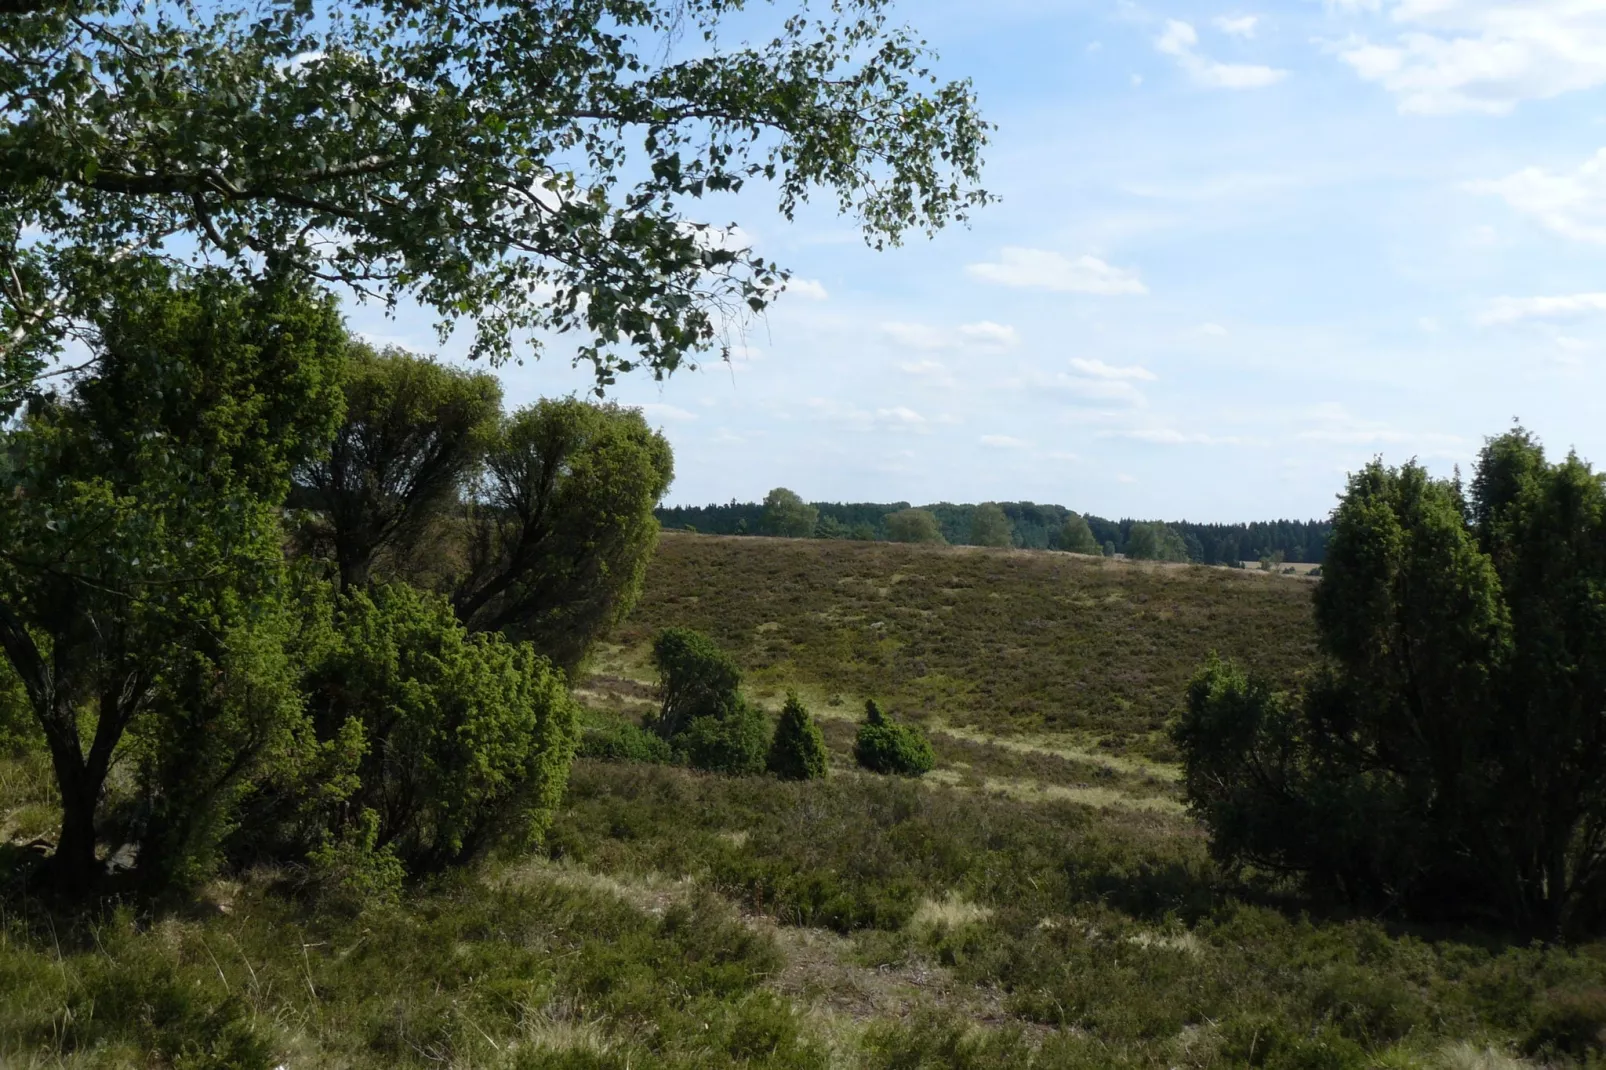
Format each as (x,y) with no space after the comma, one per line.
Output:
(1242,248)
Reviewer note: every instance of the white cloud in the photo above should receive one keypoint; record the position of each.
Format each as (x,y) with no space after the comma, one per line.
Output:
(1180,41)
(1169,436)
(1124,478)
(1512,309)
(921,336)
(891,418)
(1212,330)
(932,371)
(1060,455)
(671,413)
(1572,204)
(900,416)
(1002,442)
(1236,26)
(808,289)
(1042,269)
(1120,391)
(1100,370)
(1482,55)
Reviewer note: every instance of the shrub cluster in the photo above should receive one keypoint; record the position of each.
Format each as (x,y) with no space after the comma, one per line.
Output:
(884,746)
(704,715)
(1449,758)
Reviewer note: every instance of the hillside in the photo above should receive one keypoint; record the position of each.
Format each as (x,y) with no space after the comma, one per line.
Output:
(1039,901)
(1002,641)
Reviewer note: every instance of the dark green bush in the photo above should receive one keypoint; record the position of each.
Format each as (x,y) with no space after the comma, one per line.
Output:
(731,742)
(695,679)
(797,751)
(884,746)
(1446,760)
(624,743)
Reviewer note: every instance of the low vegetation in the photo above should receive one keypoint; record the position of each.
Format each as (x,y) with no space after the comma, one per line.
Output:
(1001,641)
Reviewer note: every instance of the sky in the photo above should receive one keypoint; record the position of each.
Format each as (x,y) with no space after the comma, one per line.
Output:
(1239,251)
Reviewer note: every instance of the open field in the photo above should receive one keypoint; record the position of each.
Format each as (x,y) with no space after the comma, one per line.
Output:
(1006,642)
(1040,901)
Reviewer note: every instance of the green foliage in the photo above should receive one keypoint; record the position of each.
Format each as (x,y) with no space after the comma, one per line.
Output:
(624,743)
(988,527)
(1155,542)
(349,871)
(560,528)
(703,714)
(1569,1024)
(1076,537)
(695,679)
(829,527)
(413,430)
(467,738)
(884,746)
(787,515)
(732,741)
(913,525)
(1442,762)
(547,182)
(141,509)
(797,751)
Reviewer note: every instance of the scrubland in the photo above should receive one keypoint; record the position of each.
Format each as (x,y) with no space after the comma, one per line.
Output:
(1041,899)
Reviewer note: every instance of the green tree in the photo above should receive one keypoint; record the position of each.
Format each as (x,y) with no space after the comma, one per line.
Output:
(143,548)
(1155,542)
(413,431)
(695,679)
(1076,537)
(913,525)
(787,515)
(531,168)
(559,528)
(465,739)
(797,750)
(989,526)
(829,527)
(1450,759)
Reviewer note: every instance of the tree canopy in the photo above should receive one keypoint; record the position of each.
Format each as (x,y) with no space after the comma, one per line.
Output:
(1451,757)
(143,562)
(788,515)
(532,168)
(990,527)
(559,527)
(1077,537)
(913,525)
(413,431)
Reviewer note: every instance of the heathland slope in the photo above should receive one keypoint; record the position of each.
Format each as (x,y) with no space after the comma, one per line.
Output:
(997,640)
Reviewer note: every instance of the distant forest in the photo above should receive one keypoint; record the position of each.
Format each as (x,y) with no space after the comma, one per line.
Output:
(1037,527)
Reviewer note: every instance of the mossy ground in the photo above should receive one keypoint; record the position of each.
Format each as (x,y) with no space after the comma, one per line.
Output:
(1040,900)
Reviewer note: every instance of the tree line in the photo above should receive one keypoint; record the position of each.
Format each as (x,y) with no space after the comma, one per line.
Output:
(1030,526)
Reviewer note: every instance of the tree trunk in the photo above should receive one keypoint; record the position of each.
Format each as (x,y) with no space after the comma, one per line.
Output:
(75,870)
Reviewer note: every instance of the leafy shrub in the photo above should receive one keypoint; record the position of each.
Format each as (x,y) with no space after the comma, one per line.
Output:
(624,743)
(467,738)
(884,746)
(350,872)
(1569,1023)
(797,751)
(731,742)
